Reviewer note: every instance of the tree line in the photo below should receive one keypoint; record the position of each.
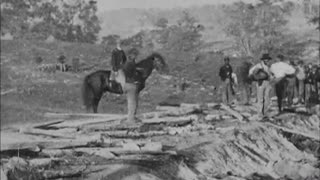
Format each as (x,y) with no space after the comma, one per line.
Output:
(66,20)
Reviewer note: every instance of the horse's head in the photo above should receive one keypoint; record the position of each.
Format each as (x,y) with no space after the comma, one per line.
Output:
(159,63)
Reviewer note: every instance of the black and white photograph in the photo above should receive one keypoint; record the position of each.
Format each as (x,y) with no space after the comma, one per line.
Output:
(160,90)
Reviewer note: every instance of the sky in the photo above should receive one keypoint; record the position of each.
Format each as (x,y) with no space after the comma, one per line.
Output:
(104,5)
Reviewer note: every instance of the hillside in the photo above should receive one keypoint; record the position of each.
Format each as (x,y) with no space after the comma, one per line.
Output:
(33,92)
(127,22)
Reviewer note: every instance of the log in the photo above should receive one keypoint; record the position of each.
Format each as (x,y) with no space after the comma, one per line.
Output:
(51,133)
(232,112)
(126,134)
(312,136)
(172,120)
(18,141)
(77,115)
(43,162)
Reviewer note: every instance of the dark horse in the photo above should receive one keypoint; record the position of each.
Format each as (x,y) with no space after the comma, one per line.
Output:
(97,83)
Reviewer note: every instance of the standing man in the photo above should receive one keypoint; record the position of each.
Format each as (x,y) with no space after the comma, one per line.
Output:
(261,73)
(246,82)
(225,76)
(118,59)
(301,76)
(284,78)
(131,85)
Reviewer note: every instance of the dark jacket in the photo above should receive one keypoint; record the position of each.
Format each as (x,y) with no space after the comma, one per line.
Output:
(129,69)
(309,77)
(118,59)
(225,72)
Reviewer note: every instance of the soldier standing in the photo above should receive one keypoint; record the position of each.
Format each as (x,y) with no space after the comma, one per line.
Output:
(226,86)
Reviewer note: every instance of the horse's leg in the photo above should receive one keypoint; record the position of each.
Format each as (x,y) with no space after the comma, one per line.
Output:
(95,104)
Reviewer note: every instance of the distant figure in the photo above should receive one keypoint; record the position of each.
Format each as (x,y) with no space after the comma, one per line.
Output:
(61,60)
(285,80)
(261,73)
(38,60)
(301,76)
(75,64)
(118,59)
(226,78)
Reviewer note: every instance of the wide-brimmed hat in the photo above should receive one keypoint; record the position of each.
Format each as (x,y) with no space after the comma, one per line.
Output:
(265,57)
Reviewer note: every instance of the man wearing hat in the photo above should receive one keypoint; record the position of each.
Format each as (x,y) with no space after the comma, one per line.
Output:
(129,83)
(225,74)
(261,73)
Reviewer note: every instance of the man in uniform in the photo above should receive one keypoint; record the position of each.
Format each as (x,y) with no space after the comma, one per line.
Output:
(118,59)
(226,86)
(261,73)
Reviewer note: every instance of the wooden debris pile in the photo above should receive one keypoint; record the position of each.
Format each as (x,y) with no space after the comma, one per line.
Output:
(90,145)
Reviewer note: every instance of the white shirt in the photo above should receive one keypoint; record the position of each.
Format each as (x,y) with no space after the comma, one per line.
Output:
(260,65)
(281,69)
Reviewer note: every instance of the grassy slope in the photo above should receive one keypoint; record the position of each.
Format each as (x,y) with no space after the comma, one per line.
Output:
(39,92)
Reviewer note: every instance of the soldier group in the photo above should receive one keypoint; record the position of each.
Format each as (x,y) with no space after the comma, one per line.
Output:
(288,78)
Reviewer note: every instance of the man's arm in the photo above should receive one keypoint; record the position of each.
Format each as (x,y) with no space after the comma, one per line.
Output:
(253,69)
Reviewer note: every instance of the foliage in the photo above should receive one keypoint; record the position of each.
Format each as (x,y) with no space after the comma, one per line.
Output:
(259,28)
(162,23)
(74,21)
(183,36)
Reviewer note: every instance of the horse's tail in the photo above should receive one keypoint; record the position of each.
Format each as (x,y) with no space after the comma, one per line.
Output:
(87,92)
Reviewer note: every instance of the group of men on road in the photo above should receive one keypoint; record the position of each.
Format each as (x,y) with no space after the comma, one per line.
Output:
(286,77)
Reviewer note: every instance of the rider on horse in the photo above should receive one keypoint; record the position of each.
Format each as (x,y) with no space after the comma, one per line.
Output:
(118,59)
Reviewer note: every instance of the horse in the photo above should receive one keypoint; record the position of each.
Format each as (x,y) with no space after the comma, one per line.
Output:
(97,83)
